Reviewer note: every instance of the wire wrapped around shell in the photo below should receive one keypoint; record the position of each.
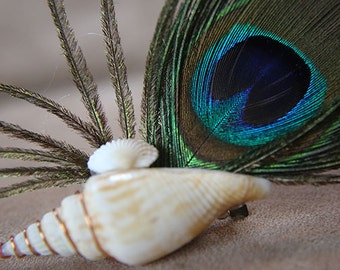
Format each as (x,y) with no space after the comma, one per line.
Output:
(136,215)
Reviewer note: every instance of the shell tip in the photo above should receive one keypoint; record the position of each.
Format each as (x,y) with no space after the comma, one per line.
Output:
(2,255)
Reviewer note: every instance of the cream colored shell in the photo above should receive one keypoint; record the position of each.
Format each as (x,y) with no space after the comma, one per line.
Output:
(136,216)
(122,154)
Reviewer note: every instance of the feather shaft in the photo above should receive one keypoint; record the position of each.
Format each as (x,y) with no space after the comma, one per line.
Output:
(38,171)
(117,69)
(155,60)
(31,155)
(321,179)
(82,77)
(39,183)
(70,153)
(86,130)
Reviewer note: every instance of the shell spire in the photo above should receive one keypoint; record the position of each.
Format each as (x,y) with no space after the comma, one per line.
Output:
(135,215)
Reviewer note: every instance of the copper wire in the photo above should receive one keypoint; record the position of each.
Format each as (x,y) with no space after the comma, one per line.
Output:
(91,227)
(65,230)
(28,243)
(43,237)
(15,248)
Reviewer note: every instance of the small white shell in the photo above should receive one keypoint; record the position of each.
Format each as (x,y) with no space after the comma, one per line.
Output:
(122,154)
(137,215)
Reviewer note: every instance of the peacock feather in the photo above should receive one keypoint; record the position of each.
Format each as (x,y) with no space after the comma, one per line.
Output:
(245,86)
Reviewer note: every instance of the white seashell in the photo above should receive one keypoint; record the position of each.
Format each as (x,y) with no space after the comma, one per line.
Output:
(136,216)
(122,154)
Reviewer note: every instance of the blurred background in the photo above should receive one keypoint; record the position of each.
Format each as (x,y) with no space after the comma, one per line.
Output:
(29,47)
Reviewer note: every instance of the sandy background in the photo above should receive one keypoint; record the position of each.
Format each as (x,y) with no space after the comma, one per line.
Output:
(295,228)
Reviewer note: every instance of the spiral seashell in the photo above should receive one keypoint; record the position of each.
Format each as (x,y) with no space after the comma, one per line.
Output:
(136,216)
(122,154)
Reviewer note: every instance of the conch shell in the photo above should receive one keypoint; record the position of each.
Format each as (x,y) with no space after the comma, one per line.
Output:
(136,216)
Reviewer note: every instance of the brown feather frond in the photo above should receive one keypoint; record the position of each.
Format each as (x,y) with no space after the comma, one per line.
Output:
(82,77)
(151,97)
(86,130)
(31,155)
(61,148)
(317,180)
(39,171)
(117,69)
(42,182)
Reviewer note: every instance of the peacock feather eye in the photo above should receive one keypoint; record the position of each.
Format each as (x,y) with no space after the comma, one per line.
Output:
(251,87)
(246,86)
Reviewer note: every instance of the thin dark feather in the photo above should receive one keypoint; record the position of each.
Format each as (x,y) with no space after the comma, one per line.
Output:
(82,77)
(117,69)
(31,155)
(155,60)
(161,77)
(86,130)
(317,179)
(162,74)
(69,152)
(41,182)
(39,171)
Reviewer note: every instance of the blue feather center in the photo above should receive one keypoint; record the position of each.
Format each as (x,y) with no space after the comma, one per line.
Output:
(251,87)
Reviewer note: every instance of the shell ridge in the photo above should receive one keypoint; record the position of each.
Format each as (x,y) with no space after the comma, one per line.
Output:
(89,223)
(44,239)
(53,232)
(65,231)
(15,248)
(36,240)
(29,245)
(21,244)
(72,213)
